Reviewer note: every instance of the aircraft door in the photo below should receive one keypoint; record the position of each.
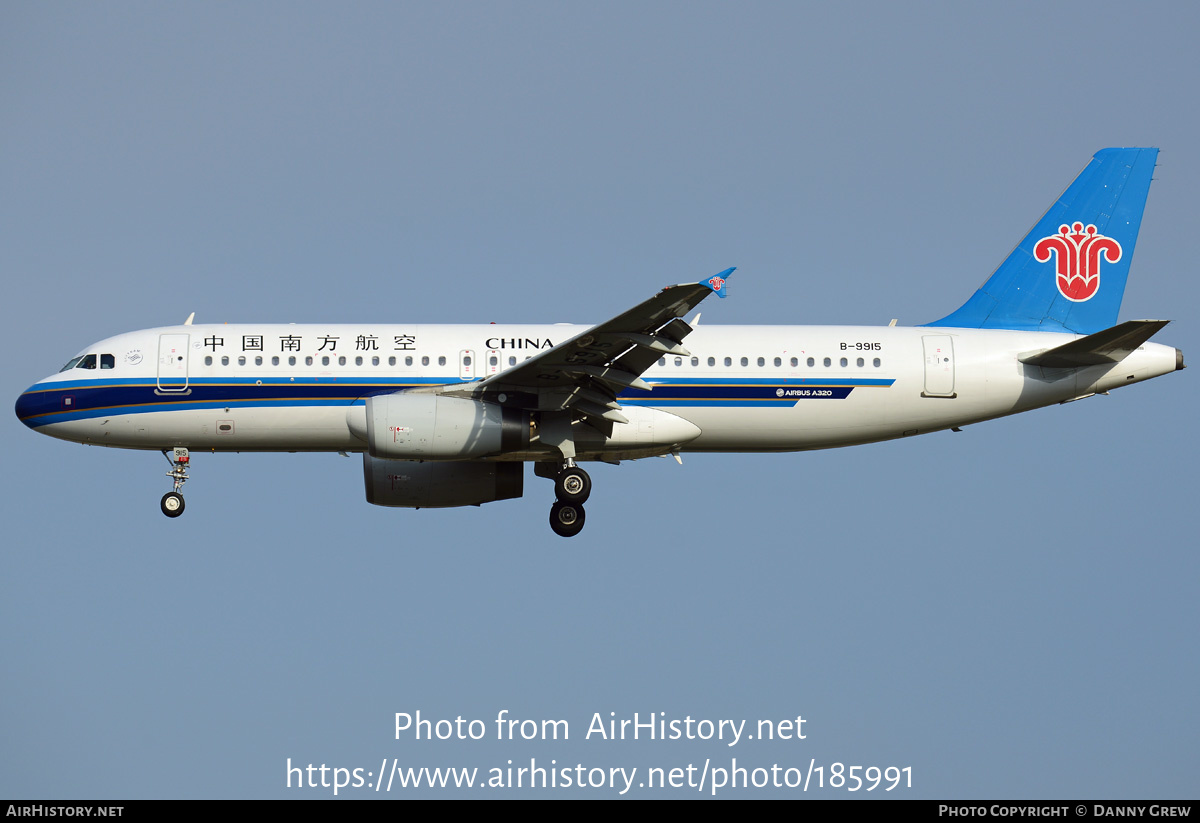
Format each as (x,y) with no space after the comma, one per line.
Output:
(939,366)
(173,362)
(466,365)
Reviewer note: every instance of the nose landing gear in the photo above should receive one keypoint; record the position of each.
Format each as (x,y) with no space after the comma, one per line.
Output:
(172,502)
(572,487)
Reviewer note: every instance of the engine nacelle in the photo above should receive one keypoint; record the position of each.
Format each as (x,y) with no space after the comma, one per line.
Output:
(409,426)
(440,485)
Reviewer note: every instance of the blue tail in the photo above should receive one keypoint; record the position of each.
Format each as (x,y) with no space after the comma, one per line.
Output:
(1069,272)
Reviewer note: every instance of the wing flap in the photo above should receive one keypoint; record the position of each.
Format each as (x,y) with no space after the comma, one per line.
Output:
(593,410)
(657,343)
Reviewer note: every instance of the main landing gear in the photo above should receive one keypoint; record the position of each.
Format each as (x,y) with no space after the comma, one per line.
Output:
(572,487)
(172,501)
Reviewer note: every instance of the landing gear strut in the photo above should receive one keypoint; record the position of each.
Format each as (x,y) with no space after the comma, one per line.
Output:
(572,487)
(172,502)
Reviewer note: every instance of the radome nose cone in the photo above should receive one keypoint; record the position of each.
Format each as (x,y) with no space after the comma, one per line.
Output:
(26,407)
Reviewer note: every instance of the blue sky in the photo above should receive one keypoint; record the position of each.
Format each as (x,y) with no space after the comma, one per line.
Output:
(1009,611)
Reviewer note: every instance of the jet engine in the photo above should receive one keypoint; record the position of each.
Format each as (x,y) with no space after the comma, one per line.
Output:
(440,485)
(408,426)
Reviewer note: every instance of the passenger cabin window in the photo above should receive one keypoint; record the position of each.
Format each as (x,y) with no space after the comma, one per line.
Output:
(425,360)
(712,361)
(208,359)
(811,362)
(441,361)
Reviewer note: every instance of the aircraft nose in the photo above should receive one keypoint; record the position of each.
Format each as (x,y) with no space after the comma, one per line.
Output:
(27,406)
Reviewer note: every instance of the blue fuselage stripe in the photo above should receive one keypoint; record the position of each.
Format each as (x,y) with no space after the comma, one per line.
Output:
(82,399)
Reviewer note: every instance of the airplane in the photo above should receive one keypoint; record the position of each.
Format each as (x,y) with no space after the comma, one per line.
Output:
(447,415)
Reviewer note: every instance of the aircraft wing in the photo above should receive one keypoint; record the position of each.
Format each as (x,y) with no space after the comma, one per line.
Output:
(587,372)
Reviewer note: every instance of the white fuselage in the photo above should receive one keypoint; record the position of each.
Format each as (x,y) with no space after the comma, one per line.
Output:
(745,388)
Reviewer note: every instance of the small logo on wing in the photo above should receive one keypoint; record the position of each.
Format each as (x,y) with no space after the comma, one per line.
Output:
(1078,251)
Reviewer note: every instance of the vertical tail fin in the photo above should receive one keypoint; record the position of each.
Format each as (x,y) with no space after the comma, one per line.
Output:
(1069,272)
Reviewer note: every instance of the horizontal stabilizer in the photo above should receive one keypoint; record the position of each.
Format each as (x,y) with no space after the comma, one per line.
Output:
(1104,347)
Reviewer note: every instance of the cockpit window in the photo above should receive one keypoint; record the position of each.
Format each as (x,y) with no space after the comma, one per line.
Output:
(72,363)
(88,361)
(107,361)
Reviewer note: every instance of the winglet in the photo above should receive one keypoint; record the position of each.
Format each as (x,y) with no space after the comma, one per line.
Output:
(717,281)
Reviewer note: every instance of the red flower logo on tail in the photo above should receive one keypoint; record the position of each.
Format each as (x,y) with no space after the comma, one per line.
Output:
(1078,252)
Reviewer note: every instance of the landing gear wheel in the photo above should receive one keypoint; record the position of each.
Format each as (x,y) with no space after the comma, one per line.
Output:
(572,485)
(566,519)
(172,504)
